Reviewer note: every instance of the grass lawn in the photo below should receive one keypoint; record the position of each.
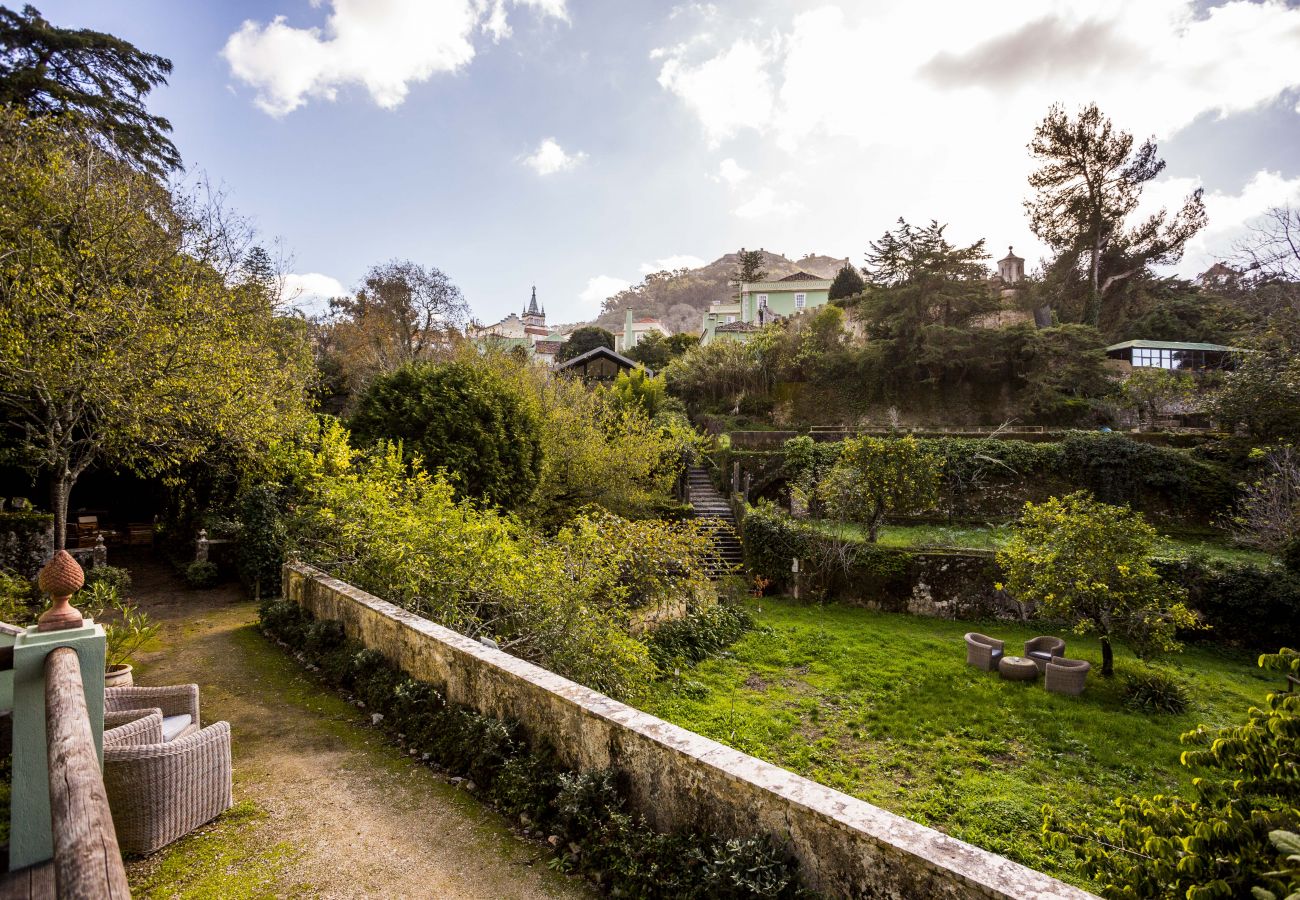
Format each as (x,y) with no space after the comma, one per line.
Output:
(991,537)
(884,707)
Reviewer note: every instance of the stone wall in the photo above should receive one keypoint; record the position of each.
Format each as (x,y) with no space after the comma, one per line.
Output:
(26,541)
(676,778)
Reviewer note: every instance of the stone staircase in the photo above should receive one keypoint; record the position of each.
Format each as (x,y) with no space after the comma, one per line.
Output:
(714,513)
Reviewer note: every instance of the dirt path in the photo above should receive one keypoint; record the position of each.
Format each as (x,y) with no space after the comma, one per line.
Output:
(325,807)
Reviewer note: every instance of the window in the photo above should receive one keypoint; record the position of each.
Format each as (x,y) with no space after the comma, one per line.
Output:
(730,319)
(800,300)
(762,301)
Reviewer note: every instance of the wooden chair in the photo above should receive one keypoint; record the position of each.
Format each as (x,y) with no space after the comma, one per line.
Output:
(86,528)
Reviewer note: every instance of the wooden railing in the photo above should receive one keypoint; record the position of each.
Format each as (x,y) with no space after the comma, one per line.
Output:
(87,862)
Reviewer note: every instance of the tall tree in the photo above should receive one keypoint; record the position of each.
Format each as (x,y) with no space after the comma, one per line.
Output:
(1089,184)
(1272,249)
(749,267)
(584,340)
(847,283)
(96,79)
(402,313)
(122,338)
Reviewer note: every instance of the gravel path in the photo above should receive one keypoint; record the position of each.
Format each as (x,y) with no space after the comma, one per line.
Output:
(326,808)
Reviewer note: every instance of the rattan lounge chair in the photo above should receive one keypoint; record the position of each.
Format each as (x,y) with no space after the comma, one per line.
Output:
(982,651)
(159,790)
(1066,676)
(1042,649)
(179,704)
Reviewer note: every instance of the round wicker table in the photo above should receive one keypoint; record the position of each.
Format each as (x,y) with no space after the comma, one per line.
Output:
(1017,668)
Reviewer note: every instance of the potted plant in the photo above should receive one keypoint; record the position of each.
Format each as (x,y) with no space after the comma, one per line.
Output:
(127,631)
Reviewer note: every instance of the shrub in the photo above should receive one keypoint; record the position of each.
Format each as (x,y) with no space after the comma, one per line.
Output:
(117,578)
(875,477)
(262,538)
(464,417)
(1118,469)
(202,574)
(1151,690)
(1238,602)
(20,600)
(699,635)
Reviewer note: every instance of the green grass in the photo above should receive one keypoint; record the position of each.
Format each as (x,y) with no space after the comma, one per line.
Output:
(992,537)
(883,707)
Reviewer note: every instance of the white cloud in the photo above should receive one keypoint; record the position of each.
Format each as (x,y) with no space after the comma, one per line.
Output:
(1229,214)
(310,291)
(550,157)
(924,109)
(731,172)
(766,203)
(672,264)
(728,92)
(601,287)
(381,46)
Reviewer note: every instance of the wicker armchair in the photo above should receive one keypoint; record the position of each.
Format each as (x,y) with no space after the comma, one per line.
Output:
(1066,676)
(1041,650)
(982,651)
(160,791)
(179,704)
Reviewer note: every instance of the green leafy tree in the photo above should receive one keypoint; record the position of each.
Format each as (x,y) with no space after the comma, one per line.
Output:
(876,477)
(1262,394)
(682,342)
(584,340)
(847,283)
(1089,183)
(1153,392)
(639,389)
(126,334)
(94,79)
(462,417)
(1224,841)
(652,351)
(1089,563)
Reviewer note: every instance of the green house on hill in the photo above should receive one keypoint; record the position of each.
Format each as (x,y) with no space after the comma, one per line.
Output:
(762,302)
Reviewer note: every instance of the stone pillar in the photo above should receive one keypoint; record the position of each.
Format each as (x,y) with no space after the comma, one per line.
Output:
(30,840)
(99,556)
(201,546)
(735,475)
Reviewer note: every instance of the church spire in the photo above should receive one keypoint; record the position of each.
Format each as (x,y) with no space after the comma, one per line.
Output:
(532,305)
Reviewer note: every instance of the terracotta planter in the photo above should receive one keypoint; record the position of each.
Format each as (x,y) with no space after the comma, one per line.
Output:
(118,676)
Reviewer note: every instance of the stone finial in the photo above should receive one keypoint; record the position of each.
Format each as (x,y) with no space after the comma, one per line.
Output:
(61,578)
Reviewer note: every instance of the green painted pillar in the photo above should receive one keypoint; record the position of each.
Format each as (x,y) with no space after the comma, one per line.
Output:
(30,840)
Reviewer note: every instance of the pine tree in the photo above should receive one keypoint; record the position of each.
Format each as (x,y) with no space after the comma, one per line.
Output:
(847,283)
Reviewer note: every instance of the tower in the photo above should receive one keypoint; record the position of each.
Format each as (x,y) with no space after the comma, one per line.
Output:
(1011,268)
(532,314)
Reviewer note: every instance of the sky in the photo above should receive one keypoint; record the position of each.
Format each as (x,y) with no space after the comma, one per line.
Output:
(577,145)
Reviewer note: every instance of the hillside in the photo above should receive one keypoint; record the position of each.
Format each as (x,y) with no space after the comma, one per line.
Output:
(679,298)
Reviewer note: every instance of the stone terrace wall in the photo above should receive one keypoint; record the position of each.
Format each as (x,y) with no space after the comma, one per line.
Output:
(678,779)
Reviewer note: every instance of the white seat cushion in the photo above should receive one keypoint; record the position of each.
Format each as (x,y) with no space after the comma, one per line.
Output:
(174,725)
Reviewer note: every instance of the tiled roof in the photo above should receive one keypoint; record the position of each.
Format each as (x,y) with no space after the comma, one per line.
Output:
(800,276)
(1170,345)
(737,326)
(548,346)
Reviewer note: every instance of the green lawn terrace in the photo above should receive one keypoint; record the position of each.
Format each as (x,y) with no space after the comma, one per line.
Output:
(992,537)
(883,706)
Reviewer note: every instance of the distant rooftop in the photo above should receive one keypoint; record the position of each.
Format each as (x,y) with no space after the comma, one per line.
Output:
(801,276)
(1170,345)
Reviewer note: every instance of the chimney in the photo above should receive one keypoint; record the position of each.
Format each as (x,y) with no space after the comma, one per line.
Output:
(629,337)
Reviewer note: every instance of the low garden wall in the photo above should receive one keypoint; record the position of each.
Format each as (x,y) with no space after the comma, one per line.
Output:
(26,541)
(677,779)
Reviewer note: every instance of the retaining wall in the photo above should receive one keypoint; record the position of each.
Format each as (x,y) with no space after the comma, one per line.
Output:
(676,778)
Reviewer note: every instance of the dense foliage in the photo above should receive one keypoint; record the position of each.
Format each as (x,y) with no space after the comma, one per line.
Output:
(584,340)
(1216,843)
(568,600)
(876,477)
(593,830)
(463,418)
(1089,563)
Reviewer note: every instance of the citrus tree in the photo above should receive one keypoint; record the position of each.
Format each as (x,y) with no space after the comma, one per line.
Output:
(1233,838)
(875,477)
(1089,563)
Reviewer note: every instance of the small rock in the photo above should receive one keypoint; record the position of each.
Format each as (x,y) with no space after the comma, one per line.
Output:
(471,786)
(575,849)
(488,642)
(425,757)
(524,820)
(456,779)
(361,704)
(376,718)
(553,840)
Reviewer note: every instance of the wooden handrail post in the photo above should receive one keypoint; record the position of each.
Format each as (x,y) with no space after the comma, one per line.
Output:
(87,862)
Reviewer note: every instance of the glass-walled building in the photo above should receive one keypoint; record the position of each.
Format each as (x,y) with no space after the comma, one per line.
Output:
(1176,356)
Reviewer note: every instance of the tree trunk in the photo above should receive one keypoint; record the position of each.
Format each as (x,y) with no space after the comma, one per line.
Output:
(1092,309)
(873,526)
(1107,658)
(60,489)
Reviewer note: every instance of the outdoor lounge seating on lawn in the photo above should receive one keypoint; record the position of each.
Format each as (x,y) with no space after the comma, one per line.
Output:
(1042,649)
(161,790)
(982,651)
(1066,676)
